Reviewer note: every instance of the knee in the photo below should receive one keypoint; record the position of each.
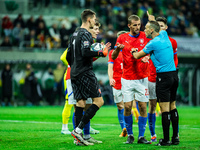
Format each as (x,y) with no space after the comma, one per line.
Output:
(152,108)
(172,105)
(143,110)
(120,106)
(102,102)
(127,108)
(99,102)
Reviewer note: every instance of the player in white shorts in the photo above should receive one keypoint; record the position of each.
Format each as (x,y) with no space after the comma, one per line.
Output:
(135,89)
(134,77)
(115,74)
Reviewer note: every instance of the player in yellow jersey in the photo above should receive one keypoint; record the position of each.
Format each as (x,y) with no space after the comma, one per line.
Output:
(67,108)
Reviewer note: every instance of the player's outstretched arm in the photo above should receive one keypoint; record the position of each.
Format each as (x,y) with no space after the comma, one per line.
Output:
(137,55)
(117,50)
(107,46)
(110,74)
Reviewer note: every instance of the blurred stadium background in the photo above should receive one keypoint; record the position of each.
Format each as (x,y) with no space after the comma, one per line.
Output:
(34,33)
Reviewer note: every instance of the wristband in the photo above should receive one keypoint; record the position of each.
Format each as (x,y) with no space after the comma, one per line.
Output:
(100,54)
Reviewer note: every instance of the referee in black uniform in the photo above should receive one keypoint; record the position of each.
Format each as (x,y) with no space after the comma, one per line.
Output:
(84,82)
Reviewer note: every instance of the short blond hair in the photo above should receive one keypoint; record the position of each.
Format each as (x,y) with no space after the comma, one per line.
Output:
(133,17)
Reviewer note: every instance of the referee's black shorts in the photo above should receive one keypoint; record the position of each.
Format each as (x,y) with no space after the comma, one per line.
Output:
(166,86)
(86,86)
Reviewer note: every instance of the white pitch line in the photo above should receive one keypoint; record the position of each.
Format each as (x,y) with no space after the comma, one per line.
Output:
(40,122)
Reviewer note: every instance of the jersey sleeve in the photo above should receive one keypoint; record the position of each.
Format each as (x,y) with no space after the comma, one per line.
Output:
(63,57)
(174,45)
(86,43)
(118,41)
(148,48)
(110,60)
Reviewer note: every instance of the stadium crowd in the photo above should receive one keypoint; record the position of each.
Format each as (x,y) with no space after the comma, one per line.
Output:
(30,86)
(182,19)
(182,15)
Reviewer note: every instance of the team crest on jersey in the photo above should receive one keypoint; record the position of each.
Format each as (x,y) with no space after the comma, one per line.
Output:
(141,40)
(86,43)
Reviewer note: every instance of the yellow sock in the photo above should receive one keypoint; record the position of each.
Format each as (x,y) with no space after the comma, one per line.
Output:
(136,114)
(66,112)
(158,109)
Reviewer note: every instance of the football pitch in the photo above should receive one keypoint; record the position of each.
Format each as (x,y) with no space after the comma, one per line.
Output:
(40,128)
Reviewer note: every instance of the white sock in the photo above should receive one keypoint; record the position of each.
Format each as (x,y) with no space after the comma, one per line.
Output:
(130,134)
(87,136)
(78,130)
(64,126)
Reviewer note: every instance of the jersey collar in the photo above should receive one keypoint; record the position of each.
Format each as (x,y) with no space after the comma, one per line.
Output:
(135,35)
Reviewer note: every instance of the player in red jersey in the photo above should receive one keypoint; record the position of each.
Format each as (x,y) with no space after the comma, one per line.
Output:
(134,77)
(115,73)
(152,82)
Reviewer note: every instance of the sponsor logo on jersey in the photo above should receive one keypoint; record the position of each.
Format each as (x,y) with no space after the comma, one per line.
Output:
(86,43)
(127,42)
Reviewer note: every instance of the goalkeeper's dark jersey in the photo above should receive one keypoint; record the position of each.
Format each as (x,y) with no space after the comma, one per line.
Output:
(79,55)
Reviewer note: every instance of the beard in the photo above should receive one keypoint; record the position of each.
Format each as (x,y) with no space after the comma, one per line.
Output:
(136,32)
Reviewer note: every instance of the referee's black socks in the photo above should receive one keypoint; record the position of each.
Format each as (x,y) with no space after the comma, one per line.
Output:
(174,119)
(78,115)
(165,125)
(89,113)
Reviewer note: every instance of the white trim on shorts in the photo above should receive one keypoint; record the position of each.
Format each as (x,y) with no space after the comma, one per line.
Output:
(135,90)
(152,90)
(71,99)
(117,95)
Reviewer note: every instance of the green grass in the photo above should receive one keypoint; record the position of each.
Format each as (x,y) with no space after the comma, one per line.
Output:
(39,128)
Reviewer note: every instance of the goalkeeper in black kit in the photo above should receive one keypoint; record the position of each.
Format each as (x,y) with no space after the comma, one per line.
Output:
(83,79)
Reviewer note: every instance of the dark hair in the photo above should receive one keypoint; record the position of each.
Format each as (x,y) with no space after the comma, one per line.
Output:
(133,17)
(86,14)
(162,19)
(155,25)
